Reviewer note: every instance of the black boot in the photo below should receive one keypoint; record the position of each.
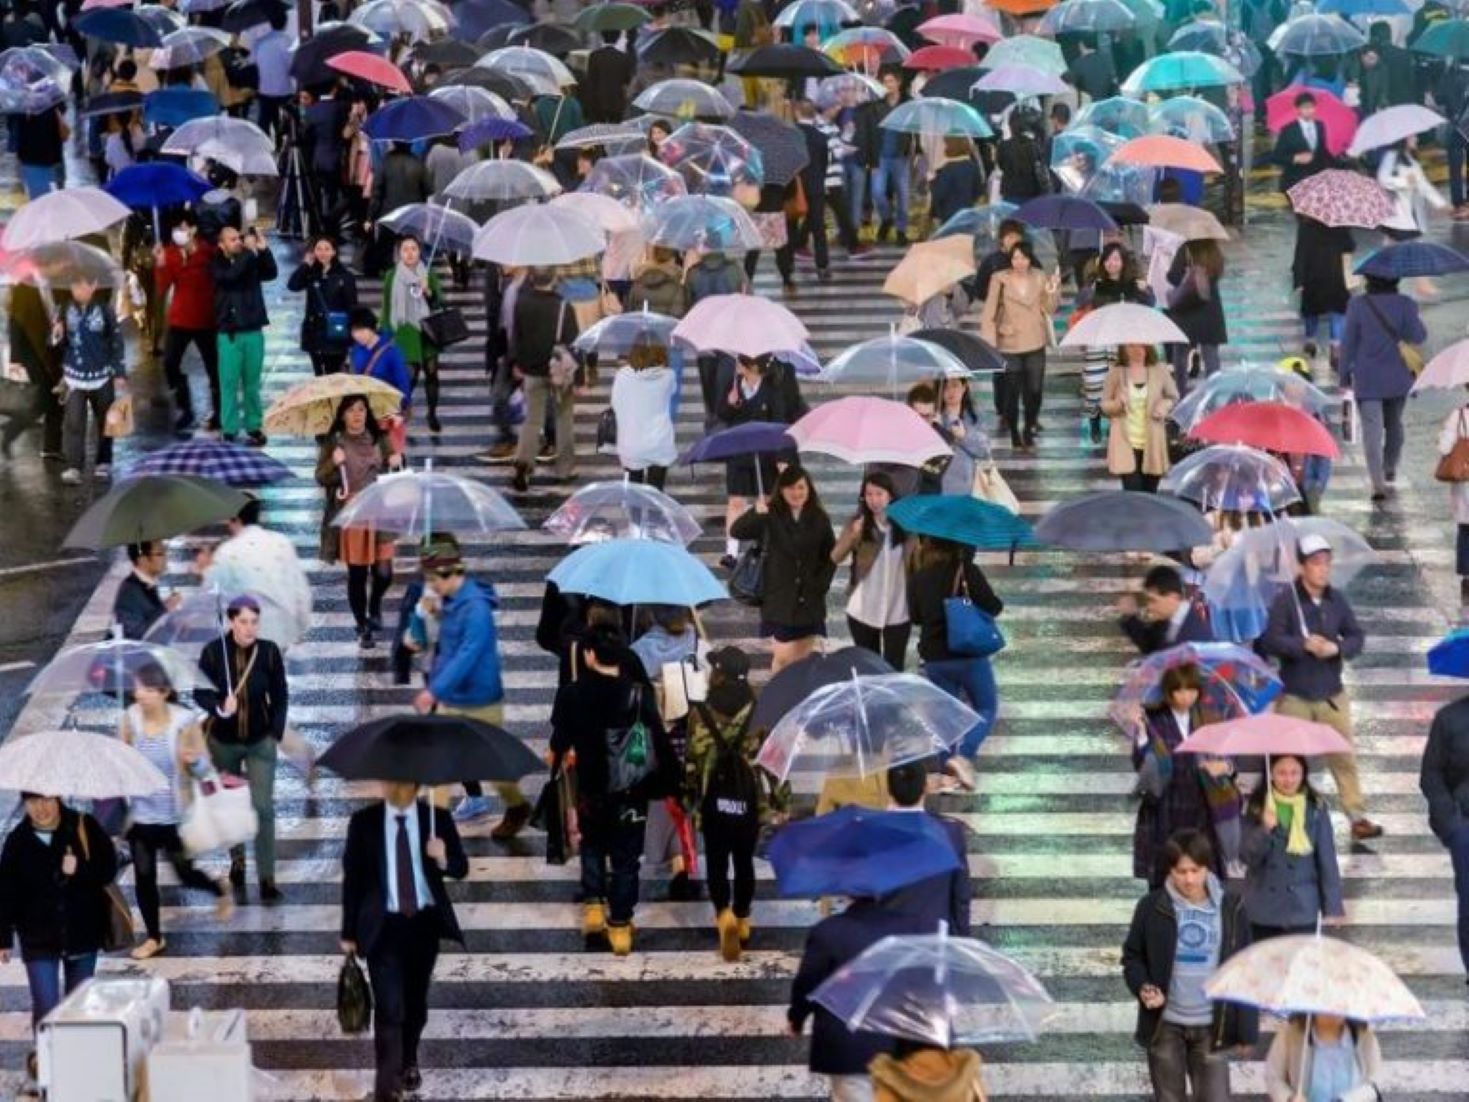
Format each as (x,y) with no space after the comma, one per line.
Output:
(431,392)
(1096,421)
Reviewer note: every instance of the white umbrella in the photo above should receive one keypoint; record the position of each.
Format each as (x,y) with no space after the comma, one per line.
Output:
(238,144)
(62,216)
(604,210)
(1124,323)
(501,182)
(546,74)
(109,667)
(1448,370)
(418,19)
(538,236)
(187,47)
(77,765)
(1392,125)
(474,103)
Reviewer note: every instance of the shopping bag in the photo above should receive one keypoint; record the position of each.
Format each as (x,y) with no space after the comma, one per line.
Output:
(990,485)
(354,997)
(119,419)
(222,815)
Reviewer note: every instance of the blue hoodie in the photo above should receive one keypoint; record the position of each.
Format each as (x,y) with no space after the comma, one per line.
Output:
(466,671)
(389,367)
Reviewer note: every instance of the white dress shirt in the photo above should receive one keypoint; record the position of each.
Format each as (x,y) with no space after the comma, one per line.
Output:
(390,836)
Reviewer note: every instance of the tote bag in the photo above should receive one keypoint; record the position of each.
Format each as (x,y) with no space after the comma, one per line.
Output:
(222,815)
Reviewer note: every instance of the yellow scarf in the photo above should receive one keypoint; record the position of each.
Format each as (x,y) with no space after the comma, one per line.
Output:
(1291,813)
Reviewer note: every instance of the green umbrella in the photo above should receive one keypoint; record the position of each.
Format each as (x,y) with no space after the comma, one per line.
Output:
(610,17)
(1449,38)
(154,508)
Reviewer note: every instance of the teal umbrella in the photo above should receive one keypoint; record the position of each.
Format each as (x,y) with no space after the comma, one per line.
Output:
(960,519)
(1448,38)
(153,508)
(1179,70)
(938,116)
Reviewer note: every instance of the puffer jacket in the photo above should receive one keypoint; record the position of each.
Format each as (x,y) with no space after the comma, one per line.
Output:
(928,1075)
(466,670)
(660,288)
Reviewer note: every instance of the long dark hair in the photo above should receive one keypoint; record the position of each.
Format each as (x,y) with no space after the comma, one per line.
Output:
(339,423)
(1126,278)
(794,473)
(1257,797)
(933,551)
(1204,253)
(883,481)
(153,676)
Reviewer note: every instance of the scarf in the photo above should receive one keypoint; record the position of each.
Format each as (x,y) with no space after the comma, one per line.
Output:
(406,307)
(1291,812)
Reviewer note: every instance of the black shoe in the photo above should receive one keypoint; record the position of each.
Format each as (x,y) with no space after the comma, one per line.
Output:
(1028,437)
(412,1079)
(521,482)
(375,621)
(1037,428)
(1309,350)
(823,275)
(728,562)
(269,893)
(211,424)
(1096,423)
(1015,439)
(237,872)
(255,439)
(884,228)
(902,238)
(681,889)
(433,427)
(184,422)
(227,437)
(365,639)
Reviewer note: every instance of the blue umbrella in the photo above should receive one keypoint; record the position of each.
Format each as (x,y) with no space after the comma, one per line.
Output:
(1351,9)
(1449,657)
(411,119)
(478,17)
(119,25)
(492,128)
(859,852)
(1064,212)
(1412,259)
(232,464)
(1124,520)
(638,572)
(172,107)
(157,184)
(961,519)
(751,438)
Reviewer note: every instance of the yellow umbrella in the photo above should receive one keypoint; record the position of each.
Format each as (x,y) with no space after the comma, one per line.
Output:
(309,408)
(930,268)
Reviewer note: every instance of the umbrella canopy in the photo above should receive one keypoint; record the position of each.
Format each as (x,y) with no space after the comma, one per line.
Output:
(447,53)
(491,129)
(1312,974)
(1316,35)
(937,990)
(603,511)
(1392,125)
(1021,80)
(614,138)
(172,107)
(371,68)
(1189,223)
(539,236)
(1233,477)
(1078,152)
(506,85)
(684,99)
(157,184)
(793,684)
(1191,119)
(961,519)
(938,59)
(476,17)
(712,159)
(439,227)
(975,354)
(673,46)
(1339,120)
(782,147)
(636,181)
(1234,682)
(119,26)
(1265,734)
(1410,259)
(960,29)
(856,851)
(1338,197)
(1065,212)
(501,182)
(32,80)
(550,38)
(428,750)
(309,408)
(1088,17)
(412,118)
(111,103)
(76,765)
(1127,118)
(309,58)
(244,14)
(217,460)
(545,73)
(1269,426)
(862,429)
(893,360)
(189,46)
(153,508)
(865,725)
(200,621)
(638,572)
(110,666)
(1449,657)
(414,19)
(611,16)
(1248,384)
(1124,323)
(1026,51)
(1446,371)
(937,116)
(1123,520)
(232,142)
(825,15)
(783,61)
(742,325)
(59,264)
(1448,38)
(751,438)
(61,216)
(703,222)
(1166,151)
(930,268)
(414,504)
(618,334)
(1178,70)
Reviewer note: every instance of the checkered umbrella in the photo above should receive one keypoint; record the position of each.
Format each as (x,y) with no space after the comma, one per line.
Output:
(782,147)
(232,464)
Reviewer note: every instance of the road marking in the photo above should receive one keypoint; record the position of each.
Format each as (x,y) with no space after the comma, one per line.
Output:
(12,667)
(31,568)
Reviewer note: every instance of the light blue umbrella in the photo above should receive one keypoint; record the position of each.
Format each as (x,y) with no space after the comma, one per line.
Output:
(1316,35)
(825,15)
(1180,69)
(1192,119)
(938,116)
(1127,118)
(638,572)
(1027,51)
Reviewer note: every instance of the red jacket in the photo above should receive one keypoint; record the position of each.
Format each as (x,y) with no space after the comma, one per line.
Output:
(193,288)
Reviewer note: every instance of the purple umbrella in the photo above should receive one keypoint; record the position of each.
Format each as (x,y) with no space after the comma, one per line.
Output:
(1064,212)
(492,129)
(751,438)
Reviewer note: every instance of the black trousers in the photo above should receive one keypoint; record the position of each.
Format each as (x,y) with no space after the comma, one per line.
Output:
(651,476)
(328,363)
(400,967)
(174,346)
(785,261)
(44,408)
(148,840)
(729,841)
(1143,483)
(1025,381)
(270,112)
(891,642)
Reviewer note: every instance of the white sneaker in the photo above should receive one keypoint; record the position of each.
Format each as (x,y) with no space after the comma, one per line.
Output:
(102,471)
(71,476)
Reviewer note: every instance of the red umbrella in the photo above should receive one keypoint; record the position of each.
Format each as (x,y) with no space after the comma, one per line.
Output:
(1166,151)
(371,68)
(935,59)
(1339,119)
(1269,426)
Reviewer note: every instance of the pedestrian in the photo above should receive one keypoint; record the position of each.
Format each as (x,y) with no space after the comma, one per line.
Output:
(247,701)
(411,291)
(39,143)
(609,71)
(239,267)
(398,180)
(139,604)
(1180,933)
(830,153)
(395,911)
(1318,271)
(881,553)
(945,897)
(1113,279)
(1378,321)
(254,559)
(894,164)
(795,534)
(1456,427)
(645,394)
(609,720)
(29,332)
(354,452)
(1401,173)
(713,273)
(1165,617)
(169,736)
(1443,779)
(93,365)
(1312,631)
(1300,147)
(958,423)
(376,355)
(1195,306)
(271,55)
(1323,1056)
(658,285)
(916,1072)
(1021,165)
(1293,883)
(1017,320)
(544,327)
(957,183)
(183,267)
(329,124)
(331,296)
(1137,397)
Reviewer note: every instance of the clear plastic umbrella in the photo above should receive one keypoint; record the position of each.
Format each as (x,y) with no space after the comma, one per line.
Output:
(712,159)
(866,724)
(1248,384)
(848,90)
(415,19)
(77,765)
(983,224)
(538,236)
(1088,17)
(1078,152)
(59,264)
(684,99)
(110,666)
(610,138)
(474,103)
(501,182)
(1127,118)
(200,621)
(1191,118)
(236,143)
(938,116)
(603,211)
(61,216)
(616,335)
(190,46)
(894,361)
(32,80)
(1026,51)
(610,510)
(703,222)
(938,990)
(1316,35)
(437,226)
(1232,477)
(546,74)
(1122,184)
(825,15)
(635,180)
(415,504)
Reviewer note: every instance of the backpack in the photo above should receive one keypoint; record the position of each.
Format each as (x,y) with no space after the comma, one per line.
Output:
(631,756)
(731,786)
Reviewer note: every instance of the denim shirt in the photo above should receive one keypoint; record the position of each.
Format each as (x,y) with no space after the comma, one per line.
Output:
(93,351)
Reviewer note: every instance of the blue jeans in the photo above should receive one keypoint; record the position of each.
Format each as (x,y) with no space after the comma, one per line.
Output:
(1459,851)
(1311,324)
(854,179)
(44,976)
(971,680)
(39,179)
(896,169)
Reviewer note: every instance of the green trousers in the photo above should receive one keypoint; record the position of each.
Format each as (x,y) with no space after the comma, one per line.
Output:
(256,762)
(241,364)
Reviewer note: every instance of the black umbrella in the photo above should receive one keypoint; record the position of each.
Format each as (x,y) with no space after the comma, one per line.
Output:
(904,23)
(1126,214)
(974,353)
(798,681)
(429,750)
(552,38)
(309,66)
(478,16)
(784,62)
(506,85)
(244,14)
(496,38)
(783,150)
(678,46)
(955,84)
(112,103)
(446,53)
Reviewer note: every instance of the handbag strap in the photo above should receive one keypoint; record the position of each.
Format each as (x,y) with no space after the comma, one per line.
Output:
(961,586)
(372,360)
(1381,318)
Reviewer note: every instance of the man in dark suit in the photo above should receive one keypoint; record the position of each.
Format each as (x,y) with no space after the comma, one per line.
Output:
(395,911)
(1093,72)
(604,91)
(138,604)
(813,181)
(1300,149)
(938,898)
(1167,617)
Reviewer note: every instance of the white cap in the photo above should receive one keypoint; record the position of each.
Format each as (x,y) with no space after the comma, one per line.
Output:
(1313,544)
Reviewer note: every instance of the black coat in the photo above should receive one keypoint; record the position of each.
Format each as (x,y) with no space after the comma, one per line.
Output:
(1444,776)
(581,716)
(1202,322)
(955,187)
(1147,958)
(603,91)
(137,606)
(1023,170)
(239,304)
(263,699)
(1183,805)
(798,566)
(928,589)
(943,898)
(364,874)
(818,149)
(542,321)
(1291,141)
(56,915)
(400,179)
(1150,636)
(1316,267)
(330,291)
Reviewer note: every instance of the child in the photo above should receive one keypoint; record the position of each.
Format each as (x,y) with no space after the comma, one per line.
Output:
(93,368)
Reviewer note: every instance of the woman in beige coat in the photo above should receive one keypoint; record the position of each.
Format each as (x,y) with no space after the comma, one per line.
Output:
(1137,397)
(1017,321)
(1343,1055)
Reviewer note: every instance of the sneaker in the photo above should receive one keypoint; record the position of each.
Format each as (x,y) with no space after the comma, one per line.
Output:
(471,808)
(512,823)
(71,476)
(255,439)
(228,437)
(1364,830)
(102,471)
(745,930)
(497,455)
(859,251)
(149,949)
(547,454)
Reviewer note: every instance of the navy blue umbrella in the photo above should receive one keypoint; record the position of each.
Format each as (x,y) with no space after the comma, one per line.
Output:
(1064,212)
(492,128)
(476,17)
(411,119)
(856,851)
(119,25)
(157,184)
(751,438)
(1124,520)
(1411,259)
(172,107)
(1449,657)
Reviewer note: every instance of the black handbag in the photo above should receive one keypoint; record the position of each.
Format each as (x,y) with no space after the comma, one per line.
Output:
(445,327)
(18,398)
(607,432)
(747,579)
(354,997)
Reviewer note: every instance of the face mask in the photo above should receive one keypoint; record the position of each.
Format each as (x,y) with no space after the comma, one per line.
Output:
(181,237)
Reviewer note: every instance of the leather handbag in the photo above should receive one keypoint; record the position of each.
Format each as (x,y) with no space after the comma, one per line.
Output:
(969,630)
(562,366)
(354,997)
(119,932)
(1454,467)
(747,579)
(445,327)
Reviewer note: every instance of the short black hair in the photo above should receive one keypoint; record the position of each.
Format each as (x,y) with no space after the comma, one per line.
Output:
(1165,580)
(141,550)
(249,512)
(278,19)
(362,317)
(908,783)
(1304,99)
(607,643)
(1193,844)
(1381,285)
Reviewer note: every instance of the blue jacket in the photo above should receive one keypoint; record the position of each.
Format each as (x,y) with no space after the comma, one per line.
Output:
(1302,673)
(94,350)
(466,671)
(1287,890)
(389,367)
(1370,365)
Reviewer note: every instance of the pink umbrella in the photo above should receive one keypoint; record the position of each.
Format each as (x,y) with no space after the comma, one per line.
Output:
(960,29)
(742,325)
(371,68)
(93,5)
(1446,371)
(1265,734)
(860,429)
(1339,119)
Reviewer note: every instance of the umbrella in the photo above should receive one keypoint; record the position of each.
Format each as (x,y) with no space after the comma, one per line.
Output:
(1392,125)
(1448,38)
(1232,477)
(638,572)
(742,325)
(550,38)
(189,46)
(975,354)
(152,508)
(217,460)
(508,86)
(1338,197)
(501,182)
(825,15)
(601,210)
(782,147)
(172,107)
(200,620)
(1447,370)
(1127,118)
(428,750)
(1180,69)
(1123,520)
(414,19)
(930,268)
(615,138)
(618,334)
(712,159)
(119,26)
(1234,682)
(1354,9)
(309,408)
(1187,222)
(446,53)
(1065,212)
(793,684)
(61,216)
(684,99)
(1166,151)
(59,264)
(866,48)
(965,520)
(371,68)
(474,103)
(937,59)
(783,61)
(1020,80)
(1248,384)
(622,510)
(1449,657)
(538,236)
(960,29)
(309,58)
(937,990)
(751,438)
(1269,426)
(865,725)
(1078,152)
(1263,735)
(32,80)
(958,85)
(476,17)
(856,851)
(439,226)
(936,116)
(229,141)
(1088,17)
(1316,35)
(635,180)
(1311,974)
(1339,119)
(1405,259)
(419,503)
(673,46)
(412,119)
(111,103)
(610,17)
(893,360)
(1123,323)
(862,429)
(110,665)
(157,184)
(546,74)
(77,765)
(244,14)
(1020,8)
(1026,51)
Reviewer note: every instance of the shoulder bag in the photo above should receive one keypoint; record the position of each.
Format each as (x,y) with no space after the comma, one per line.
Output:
(1454,467)
(119,933)
(562,365)
(969,630)
(607,432)
(747,579)
(444,327)
(338,328)
(1411,354)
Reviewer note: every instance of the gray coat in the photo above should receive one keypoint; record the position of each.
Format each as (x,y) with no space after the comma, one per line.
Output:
(1287,890)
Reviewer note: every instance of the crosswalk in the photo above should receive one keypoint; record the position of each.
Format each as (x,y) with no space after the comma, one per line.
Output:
(527,1014)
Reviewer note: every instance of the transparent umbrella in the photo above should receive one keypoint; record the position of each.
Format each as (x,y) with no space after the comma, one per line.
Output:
(938,116)
(236,143)
(538,236)
(415,19)
(684,99)
(501,182)
(635,180)
(1232,477)
(616,335)
(189,46)
(59,264)
(712,159)
(110,666)
(1248,384)
(704,222)
(200,621)
(546,74)
(61,216)
(1191,118)
(894,360)
(1316,35)
(1026,51)
(612,510)
(610,138)
(864,725)
(1088,17)
(474,103)
(415,504)
(1127,118)
(32,80)
(1078,152)
(437,226)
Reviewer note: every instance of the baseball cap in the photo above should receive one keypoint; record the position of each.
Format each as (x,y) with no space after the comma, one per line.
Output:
(731,661)
(1313,544)
(441,556)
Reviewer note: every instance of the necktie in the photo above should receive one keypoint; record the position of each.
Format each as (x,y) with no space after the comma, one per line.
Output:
(407,889)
